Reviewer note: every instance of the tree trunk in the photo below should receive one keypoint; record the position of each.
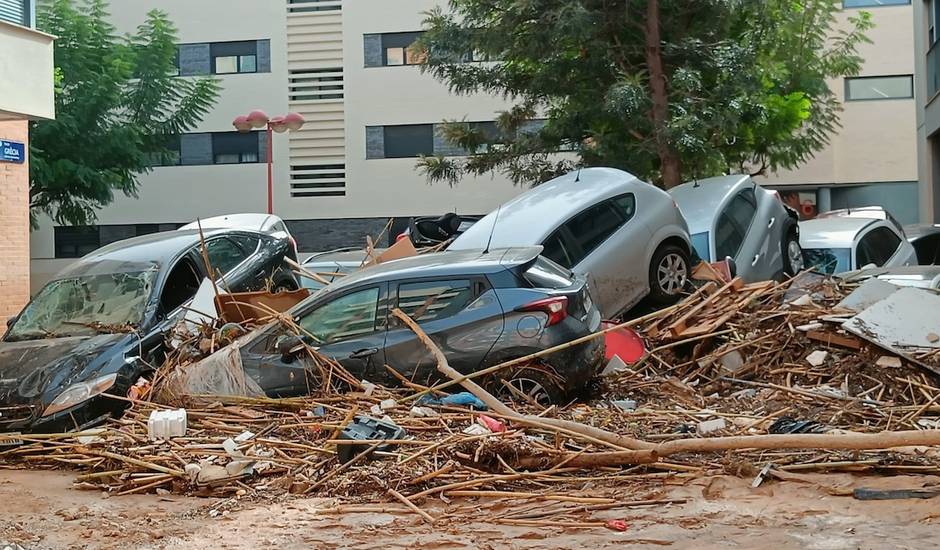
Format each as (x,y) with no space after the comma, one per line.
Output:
(668,157)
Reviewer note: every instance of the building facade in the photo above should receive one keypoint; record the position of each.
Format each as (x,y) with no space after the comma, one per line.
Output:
(26,93)
(370,112)
(872,159)
(927,68)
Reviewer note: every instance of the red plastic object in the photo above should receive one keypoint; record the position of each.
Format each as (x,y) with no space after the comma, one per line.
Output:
(623,342)
(617,525)
(492,424)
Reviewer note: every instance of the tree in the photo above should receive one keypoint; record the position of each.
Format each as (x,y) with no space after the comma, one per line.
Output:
(666,89)
(118,104)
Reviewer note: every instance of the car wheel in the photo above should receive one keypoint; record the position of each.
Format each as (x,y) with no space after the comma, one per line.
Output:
(283,286)
(529,385)
(669,273)
(792,255)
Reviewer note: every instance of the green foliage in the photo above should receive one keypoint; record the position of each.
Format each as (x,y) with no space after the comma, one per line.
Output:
(746,83)
(117,104)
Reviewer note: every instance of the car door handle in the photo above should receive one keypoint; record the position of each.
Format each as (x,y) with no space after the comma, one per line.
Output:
(771,223)
(363,353)
(756,259)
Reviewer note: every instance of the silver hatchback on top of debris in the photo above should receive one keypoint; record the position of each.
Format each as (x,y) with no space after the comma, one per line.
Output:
(840,241)
(625,234)
(733,217)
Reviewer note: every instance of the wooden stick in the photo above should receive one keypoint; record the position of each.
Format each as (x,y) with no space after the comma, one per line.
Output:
(414,508)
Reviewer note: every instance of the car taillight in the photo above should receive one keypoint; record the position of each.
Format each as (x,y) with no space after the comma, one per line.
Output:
(556,308)
(293,243)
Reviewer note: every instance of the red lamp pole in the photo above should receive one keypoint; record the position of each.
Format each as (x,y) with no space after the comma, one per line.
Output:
(258,119)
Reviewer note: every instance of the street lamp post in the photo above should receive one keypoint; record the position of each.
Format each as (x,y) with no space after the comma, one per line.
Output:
(258,119)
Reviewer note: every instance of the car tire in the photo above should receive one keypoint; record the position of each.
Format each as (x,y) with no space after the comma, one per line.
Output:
(793,262)
(669,273)
(532,382)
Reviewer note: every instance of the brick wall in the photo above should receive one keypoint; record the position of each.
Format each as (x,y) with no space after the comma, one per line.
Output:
(14,227)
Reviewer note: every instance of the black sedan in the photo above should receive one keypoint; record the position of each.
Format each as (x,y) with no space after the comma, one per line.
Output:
(101,323)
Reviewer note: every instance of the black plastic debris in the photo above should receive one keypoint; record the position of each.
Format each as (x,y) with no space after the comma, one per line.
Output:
(365,428)
(787,425)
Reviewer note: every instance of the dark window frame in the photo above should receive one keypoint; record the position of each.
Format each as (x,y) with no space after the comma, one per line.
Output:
(476,284)
(238,49)
(847,80)
(244,142)
(399,40)
(575,247)
(399,151)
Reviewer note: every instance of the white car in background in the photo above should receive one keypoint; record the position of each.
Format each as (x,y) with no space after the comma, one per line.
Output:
(626,235)
(837,243)
(264,223)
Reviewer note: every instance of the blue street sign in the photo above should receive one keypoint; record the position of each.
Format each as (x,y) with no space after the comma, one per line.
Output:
(12,151)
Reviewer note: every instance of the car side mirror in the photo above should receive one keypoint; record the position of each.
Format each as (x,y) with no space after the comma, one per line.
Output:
(12,320)
(732,267)
(289,346)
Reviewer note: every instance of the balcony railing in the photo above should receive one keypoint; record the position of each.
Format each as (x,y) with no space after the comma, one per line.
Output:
(19,12)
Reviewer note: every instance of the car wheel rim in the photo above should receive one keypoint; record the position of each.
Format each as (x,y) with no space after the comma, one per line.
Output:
(530,388)
(795,255)
(672,274)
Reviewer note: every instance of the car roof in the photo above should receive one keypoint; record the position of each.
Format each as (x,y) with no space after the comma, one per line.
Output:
(253,221)
(700,200)
(835,232)
(441,264)
(919,230)
(160,248)
(531,216)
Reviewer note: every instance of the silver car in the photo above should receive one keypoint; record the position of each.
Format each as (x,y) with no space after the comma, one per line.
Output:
(836,244)
(733,217)
(626,235)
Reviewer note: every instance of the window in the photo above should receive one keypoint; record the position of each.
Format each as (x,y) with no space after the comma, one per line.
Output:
(931,8)
(169,157)
(868,88)
(409,140)
(75,242)
(392,49)
(224,255)
(348,316)
(429,301)
(733,224)
(556,250)
(15,11)
(249,242)
(236,148)
(873,3)
(593,226)
(234,57)
(250,56)
(876,247)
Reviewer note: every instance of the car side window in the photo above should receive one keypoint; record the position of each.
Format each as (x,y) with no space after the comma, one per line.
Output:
(557,250)
(348,316)
(728,237)
(432,300)
(742,209)
(248,242)
(877,246)
(224,254)
(593,226)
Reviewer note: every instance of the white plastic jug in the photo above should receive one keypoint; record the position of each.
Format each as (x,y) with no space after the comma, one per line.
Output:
(166,424)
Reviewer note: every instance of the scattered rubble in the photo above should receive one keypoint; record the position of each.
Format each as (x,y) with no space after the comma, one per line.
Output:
(726,386)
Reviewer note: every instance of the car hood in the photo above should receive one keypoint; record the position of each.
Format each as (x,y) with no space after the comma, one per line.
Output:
(30,368)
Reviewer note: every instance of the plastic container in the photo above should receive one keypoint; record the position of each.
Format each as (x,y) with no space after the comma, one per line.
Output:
(166,424)
(364,428)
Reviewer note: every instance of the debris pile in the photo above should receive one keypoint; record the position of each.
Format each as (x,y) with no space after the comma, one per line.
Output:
(745,379)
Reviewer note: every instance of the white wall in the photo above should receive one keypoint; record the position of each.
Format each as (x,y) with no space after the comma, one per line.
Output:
(26,74)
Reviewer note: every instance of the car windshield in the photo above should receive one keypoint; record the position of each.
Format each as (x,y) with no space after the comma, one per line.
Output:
(700,244)
(828,260)
(86,305)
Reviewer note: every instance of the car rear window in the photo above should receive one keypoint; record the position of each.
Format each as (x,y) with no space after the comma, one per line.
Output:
(545,273)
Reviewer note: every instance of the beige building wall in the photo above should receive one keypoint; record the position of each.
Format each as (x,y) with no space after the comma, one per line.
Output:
(877,141)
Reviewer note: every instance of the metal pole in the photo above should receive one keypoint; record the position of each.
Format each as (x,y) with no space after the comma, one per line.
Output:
(270,169)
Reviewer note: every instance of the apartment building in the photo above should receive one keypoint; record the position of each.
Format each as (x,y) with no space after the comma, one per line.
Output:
(872,159)
(26,93)
(369,113)
(927,69)
(346,67)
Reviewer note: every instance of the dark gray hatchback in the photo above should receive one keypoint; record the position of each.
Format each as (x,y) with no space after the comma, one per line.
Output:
(480,308)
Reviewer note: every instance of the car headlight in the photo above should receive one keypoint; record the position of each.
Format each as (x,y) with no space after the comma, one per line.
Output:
(79,393)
